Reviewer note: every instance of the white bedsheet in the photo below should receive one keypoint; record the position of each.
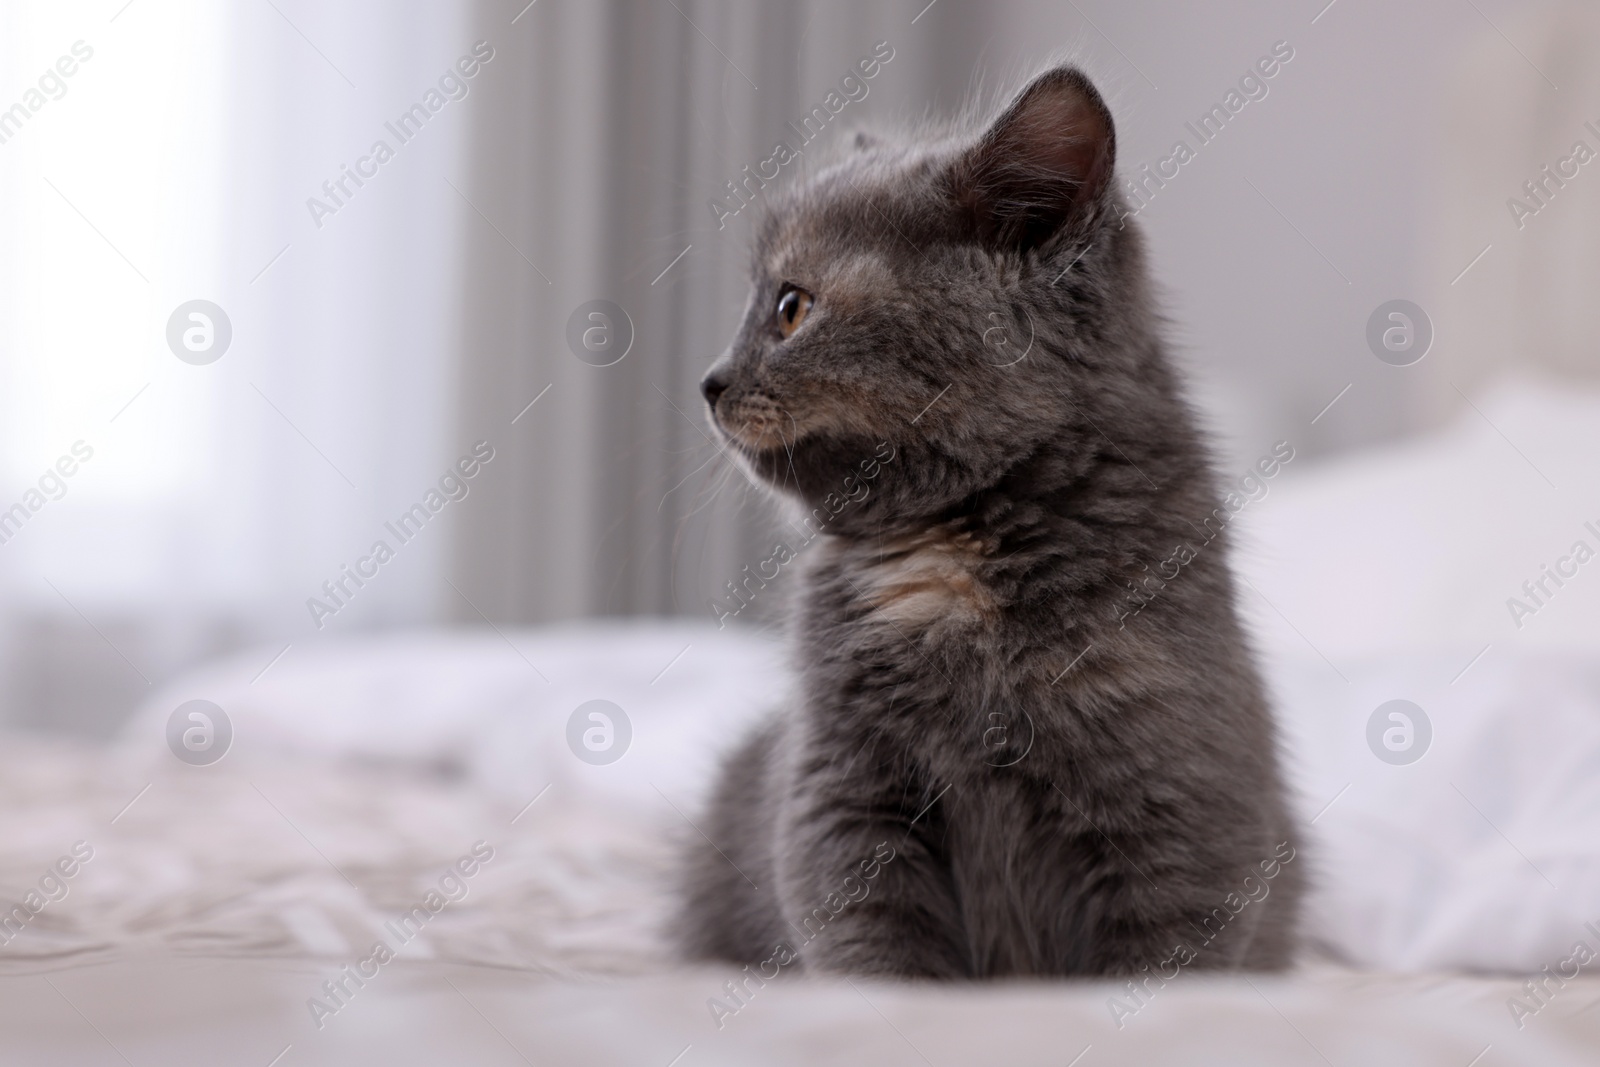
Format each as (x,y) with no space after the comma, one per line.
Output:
(1393,575)
(1484,854)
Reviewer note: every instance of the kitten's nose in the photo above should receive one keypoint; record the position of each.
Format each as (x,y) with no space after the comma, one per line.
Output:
(712,387)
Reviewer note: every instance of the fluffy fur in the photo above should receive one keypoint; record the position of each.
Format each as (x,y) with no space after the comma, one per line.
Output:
(1065,785)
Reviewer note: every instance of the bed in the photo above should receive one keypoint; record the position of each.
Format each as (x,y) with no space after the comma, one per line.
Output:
(228,911)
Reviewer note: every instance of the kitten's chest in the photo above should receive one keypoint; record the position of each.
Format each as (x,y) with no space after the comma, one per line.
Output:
(928,583)
(920,640)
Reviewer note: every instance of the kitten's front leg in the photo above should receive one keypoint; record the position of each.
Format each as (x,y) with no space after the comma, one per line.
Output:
(868,895)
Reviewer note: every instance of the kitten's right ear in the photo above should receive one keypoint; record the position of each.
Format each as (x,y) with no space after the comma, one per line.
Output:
(1042,163)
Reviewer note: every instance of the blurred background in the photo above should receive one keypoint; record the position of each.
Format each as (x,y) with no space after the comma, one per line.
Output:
(365,333)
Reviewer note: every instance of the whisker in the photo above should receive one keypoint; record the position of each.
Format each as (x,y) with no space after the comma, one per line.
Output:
(686,477)
(788,450)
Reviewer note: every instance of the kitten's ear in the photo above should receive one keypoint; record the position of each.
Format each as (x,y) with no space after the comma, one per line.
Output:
(1042,162)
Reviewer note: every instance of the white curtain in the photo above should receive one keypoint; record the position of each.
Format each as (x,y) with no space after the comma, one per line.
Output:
(597,161)
(175,163)
(1515,212)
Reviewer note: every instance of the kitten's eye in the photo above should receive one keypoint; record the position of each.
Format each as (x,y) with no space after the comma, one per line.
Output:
(793,306)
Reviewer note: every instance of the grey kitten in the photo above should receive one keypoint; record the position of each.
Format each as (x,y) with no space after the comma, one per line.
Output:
(1016,752)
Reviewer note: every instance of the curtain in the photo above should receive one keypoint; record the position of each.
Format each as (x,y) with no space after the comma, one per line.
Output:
(1515,209)
(597,159)
(209,501)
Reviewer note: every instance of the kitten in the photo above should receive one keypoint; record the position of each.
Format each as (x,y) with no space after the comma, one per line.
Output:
(1015,752)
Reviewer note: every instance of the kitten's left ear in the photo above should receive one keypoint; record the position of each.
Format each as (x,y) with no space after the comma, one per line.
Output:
(1044,161)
